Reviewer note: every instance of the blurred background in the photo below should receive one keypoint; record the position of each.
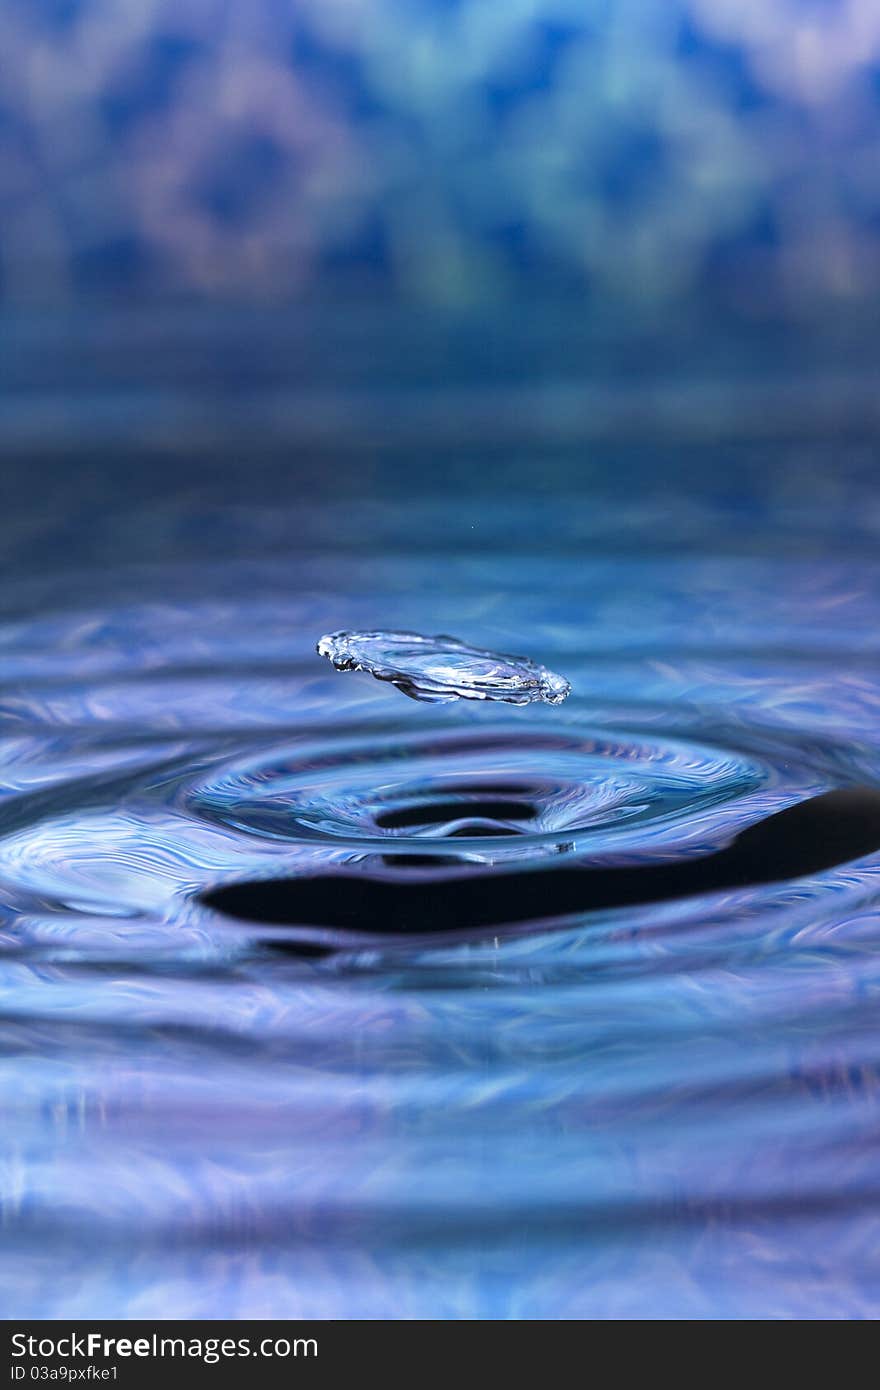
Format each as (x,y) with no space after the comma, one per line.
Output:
(236,228)
(632,152)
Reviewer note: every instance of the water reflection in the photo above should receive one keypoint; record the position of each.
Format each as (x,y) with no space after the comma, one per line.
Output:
(626,1107)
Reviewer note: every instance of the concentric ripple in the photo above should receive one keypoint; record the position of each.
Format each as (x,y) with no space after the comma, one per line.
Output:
(549,788)
(512,1007)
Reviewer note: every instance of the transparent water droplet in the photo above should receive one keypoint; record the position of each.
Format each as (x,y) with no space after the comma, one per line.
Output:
(439,669)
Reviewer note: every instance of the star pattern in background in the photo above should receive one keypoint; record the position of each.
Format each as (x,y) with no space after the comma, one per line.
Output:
(632,150)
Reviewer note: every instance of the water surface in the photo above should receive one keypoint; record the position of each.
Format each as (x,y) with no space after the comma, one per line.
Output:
(615,1109)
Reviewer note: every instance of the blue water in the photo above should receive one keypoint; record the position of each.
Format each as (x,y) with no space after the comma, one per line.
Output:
(668,1110)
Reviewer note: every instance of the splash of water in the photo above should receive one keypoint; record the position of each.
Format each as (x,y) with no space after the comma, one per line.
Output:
(439,669)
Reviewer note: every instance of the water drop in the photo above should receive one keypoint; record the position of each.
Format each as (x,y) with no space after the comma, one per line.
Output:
(439,669)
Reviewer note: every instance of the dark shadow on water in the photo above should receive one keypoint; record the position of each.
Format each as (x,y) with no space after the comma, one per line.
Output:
(303,950)
(803,840)
(435,813)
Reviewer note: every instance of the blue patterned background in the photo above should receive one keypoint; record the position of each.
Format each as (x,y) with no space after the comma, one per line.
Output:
(657,151)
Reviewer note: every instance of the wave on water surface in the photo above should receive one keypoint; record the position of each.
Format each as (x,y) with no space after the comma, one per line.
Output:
(321,1002)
